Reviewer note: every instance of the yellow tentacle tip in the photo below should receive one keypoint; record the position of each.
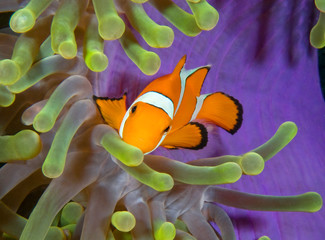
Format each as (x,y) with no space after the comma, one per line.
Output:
(124,221)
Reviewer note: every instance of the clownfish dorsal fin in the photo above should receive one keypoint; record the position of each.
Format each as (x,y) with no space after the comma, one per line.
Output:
(193,79)
(192,136)
(179,66)
(112,109)
(220,109)
(196,77)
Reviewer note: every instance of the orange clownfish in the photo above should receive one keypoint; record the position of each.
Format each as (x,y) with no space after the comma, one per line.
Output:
(166,112)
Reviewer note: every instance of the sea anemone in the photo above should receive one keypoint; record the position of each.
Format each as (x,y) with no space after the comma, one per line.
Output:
(93,185)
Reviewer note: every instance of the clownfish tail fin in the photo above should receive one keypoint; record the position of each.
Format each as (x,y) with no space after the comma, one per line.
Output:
(112,109)
(191,136)
(220,109)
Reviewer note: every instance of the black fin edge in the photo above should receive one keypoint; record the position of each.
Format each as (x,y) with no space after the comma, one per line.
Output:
(239,119)
(204,139)
(107,98)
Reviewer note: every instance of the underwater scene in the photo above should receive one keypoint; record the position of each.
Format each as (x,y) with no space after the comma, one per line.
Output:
(162,119)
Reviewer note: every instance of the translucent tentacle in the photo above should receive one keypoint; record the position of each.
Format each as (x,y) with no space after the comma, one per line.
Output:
(54,162)
(110,25)
(148,62)
(251,163)
(101,204)
(182,20)
(155,35)
(77,176)
(162,229)
(124,221)
(182,172)
(14,173)
(73,86)
(46,67)
(24,53)
(64,23)
(285,133)
(24,19)
(198,226)
(24,145)
(216,214)
(93,49)
(307,202)
(17,195)
(136,204)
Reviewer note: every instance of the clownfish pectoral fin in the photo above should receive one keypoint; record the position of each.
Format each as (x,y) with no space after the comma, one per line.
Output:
(192,136)
(220,109)
(112,110)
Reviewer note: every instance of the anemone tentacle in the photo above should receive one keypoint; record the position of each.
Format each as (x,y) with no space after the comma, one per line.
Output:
(96,185)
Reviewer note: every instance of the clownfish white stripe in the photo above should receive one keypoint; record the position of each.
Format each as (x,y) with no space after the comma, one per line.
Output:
(184,74)
(158,100)
(126,116)
(155,99)
(199,102)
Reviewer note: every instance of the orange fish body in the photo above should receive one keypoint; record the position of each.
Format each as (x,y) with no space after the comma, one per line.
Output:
(165,112)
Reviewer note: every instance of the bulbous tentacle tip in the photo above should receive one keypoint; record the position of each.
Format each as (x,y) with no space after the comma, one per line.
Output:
(51,170)
(124,221)
(317,33)
(285,133)
(233,172)
(71,213)
(9,72)
(96,61)
(43,122)
(111,27)
(28,144)
(149,63)
(161,182)
(129,155)
(166,231)
(313,201)
(206,16)
(55,233)
(290,127)
(264,238)
(252,163)
(320,4)
(6,97)
(25,145)
(22,20)
(67,49)
(163,38)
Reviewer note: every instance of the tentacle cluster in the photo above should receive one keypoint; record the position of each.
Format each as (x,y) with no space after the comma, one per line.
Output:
(94,185)
(99,187)
(96,21)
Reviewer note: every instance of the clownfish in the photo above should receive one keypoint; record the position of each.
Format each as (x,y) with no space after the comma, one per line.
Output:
(166,112)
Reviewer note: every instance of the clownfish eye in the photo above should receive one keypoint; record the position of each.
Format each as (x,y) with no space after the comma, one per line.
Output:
(167,129)
(133,109)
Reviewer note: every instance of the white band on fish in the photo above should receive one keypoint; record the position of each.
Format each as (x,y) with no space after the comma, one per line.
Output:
(199,103)
(155,99)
